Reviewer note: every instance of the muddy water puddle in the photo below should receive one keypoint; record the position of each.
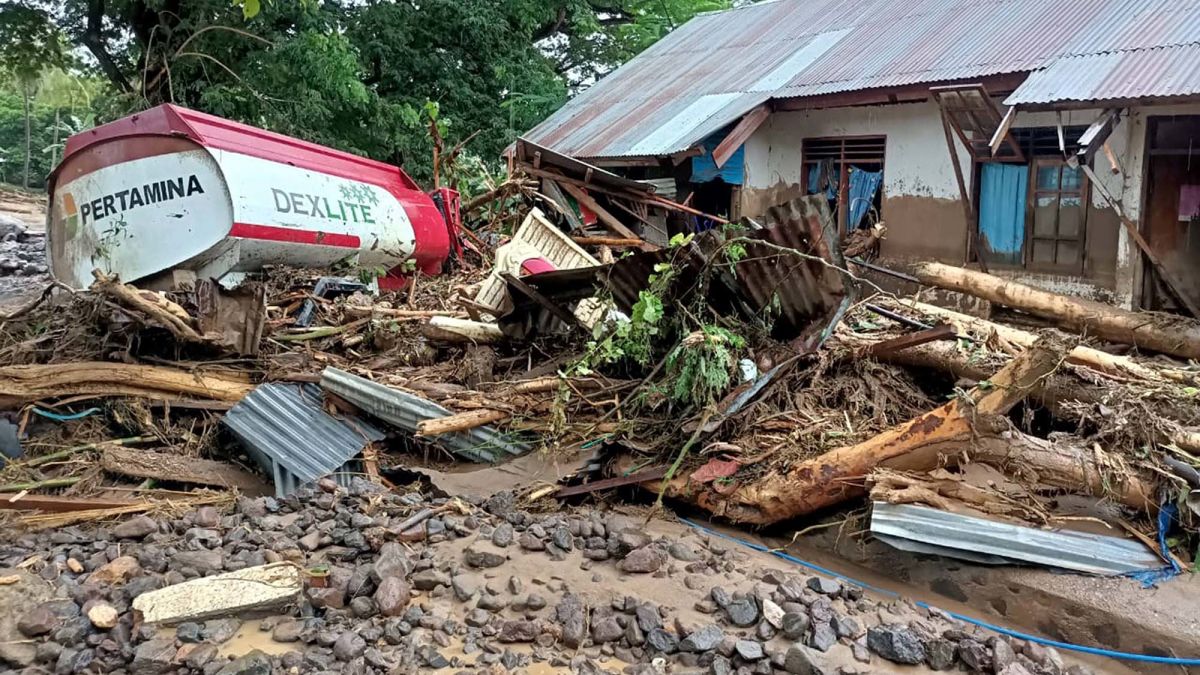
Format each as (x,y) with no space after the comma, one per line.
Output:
(249,638)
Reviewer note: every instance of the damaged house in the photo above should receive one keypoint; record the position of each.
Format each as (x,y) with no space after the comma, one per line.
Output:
(1049,142)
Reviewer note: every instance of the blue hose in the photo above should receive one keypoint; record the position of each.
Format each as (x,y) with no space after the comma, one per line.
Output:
(1145,658)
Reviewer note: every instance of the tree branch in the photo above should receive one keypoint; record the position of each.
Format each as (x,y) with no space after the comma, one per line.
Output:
(553,27)
(94,41)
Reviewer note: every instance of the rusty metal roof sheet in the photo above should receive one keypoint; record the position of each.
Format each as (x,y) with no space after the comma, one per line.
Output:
(1140,73)
(716,67)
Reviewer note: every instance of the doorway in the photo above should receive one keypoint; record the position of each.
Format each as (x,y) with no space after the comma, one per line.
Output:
(1172,214)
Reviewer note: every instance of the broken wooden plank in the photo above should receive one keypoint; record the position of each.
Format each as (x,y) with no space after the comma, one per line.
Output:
(1002,130)
(1177,336)
(604,215)
(610,483)
(745,128)
(175,468)
(607,241)
(60,504)
(939,332)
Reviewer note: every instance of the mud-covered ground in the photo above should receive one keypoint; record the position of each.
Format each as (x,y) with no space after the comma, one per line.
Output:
(490,587)
(23,269)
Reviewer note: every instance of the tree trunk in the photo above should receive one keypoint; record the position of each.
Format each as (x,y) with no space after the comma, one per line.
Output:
(28,133)
(920,444)
(1158,332)
(25,384)
(54,146)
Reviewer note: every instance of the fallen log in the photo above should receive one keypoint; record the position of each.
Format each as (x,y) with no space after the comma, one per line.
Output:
(1111,364)
(28,383)
(461,331)
(154,306)
(179,469)
(462,421)
(1157,332)
(838,475)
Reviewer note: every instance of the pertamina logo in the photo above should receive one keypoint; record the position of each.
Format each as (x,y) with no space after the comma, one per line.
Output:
(126,200)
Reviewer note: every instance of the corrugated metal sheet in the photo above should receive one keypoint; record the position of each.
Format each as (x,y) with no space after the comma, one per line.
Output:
(1159,72)
(405,410)
(921,529)
(713,69)
(285,430)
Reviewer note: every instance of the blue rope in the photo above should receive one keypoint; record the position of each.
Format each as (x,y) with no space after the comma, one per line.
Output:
(1098,651)
(65,417)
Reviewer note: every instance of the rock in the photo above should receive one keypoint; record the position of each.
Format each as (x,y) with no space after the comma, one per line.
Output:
(327,598)
(204,562)
(749,650)
(392,562)
(607,630)
(116,572)
(218,631)
(824,585)
(800,661)
(1014,669)
(570,615)
(200,656)
(896,643)
(531,542)
(647,617)
(103,615)
(429,579)
(478,618)
(662,641)
(310,541)
(682,552)
(288,631)
(1002,654)
(974,655)
(392,596)
(349,646)
(742,611)
(483,555)
(627,540)
(795,625)
(561,537)
(642,561)
(772,613)
(137,527)
(154,657)
(465,586)
(363,607)
(704,639)
(253,663)
(939,653)
(188,632)
(518,631)
(822,637)
(846,627)
(37,622)
(207,516)
(503,535)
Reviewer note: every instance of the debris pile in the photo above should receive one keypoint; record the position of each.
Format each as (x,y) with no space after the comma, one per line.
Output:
(634,347)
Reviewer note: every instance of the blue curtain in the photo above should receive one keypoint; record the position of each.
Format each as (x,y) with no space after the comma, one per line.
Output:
(863,186)
(814,180)
(1002,190)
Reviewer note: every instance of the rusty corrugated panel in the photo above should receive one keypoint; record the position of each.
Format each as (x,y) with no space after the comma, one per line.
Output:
(789,281)
(1143,73)
(715,68)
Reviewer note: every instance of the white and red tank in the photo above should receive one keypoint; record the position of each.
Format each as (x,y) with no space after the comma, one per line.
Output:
(175,189)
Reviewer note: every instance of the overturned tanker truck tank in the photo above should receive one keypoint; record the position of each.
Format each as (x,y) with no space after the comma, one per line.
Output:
(171,189)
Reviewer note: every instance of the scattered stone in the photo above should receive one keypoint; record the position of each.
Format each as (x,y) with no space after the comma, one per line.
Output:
(800,661)
(483,555)
(846,627)
(704,639)
(939,653)
(116,572)
(154,657)
(642,561)
(824,585)
(662,641)
(518,631)
(137,527)
(570,615)
(896,643)
(349,646)
(795,625)
(465,586)
(253,663)
(189,631)
(103,615)
(974,654)
(1002,654)
(749,650)
(429,579)
(772,613)
(288,631)
(217,631)
(683,552)
(822,637)
(742,611)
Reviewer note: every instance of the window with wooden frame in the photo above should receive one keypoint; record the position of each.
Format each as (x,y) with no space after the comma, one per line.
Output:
(828,164)
(1057,216)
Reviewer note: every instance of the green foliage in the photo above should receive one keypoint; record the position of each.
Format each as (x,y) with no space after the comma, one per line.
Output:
(699,370)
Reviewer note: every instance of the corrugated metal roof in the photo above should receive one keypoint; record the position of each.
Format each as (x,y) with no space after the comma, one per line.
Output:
(284,428)
(716,67)
(405,410)
(921,529)
(1139,73)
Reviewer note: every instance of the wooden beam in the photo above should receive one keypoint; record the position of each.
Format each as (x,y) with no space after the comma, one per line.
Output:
(1002,130)
(1097,134)
(606,241)
(964,196)
(603,214)
(1174,285)
(57,504)
(750,123)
